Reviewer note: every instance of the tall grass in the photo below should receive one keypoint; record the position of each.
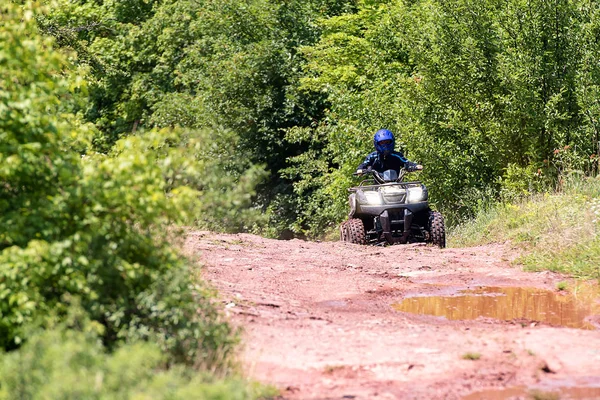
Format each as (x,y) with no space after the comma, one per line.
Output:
(556,231)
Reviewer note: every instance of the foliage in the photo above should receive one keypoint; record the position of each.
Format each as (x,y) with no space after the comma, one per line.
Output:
(198,64)
(69,362)
(205,171)
(558,231)
(481,93)
(89,226)
(519,182)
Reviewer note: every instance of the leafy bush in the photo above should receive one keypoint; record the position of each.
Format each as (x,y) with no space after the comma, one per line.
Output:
(206,171)
(69,361)
(87,227)
(518,182)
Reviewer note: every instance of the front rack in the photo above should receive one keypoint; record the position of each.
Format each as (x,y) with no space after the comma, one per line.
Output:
(373,185)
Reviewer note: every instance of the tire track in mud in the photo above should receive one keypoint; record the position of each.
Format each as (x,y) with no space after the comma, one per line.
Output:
(319,321)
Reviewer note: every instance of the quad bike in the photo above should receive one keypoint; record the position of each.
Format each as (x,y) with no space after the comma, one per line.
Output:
(381,206)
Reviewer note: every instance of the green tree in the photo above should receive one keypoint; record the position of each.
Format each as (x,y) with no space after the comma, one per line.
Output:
(474,90)
(199,64)
(588,77)
(86,227)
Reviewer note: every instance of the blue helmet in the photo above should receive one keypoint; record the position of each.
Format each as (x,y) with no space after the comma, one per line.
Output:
(387,137)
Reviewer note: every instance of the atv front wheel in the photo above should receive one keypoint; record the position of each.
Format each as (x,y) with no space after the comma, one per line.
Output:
(353,231)
(437,230)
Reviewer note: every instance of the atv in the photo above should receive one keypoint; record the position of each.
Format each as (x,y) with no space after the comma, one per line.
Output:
(383,203)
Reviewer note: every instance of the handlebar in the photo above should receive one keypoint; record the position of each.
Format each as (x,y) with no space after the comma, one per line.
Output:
(378,177)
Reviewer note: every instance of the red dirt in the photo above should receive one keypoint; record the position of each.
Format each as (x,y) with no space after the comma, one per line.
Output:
(319,324)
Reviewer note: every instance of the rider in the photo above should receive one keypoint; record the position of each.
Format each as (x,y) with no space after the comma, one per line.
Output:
(383,159)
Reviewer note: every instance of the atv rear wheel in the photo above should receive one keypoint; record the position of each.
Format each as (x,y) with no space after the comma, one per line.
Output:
(437,230)
(353,231)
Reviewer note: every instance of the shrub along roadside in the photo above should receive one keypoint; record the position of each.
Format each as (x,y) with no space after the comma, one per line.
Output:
(205,171)
(557,231)
(68,361)
(88,227)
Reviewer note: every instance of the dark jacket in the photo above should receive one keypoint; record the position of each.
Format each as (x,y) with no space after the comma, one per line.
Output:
(395,160)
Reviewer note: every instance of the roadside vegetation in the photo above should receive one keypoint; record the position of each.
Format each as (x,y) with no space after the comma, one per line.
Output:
(94,300)
(557,231)
(480,92)
(69,361)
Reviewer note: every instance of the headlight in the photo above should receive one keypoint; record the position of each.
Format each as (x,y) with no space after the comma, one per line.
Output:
(415,195)
(372,198)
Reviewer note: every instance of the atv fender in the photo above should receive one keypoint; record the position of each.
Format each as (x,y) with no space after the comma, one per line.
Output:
(352,200)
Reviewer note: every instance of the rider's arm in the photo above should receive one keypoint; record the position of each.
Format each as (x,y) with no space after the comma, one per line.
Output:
(368,163)
(408,165)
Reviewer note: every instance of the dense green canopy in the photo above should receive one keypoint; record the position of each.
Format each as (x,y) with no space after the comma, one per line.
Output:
(83,227)
(480,92)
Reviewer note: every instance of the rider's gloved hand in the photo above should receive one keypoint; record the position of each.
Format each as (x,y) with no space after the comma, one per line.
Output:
(413,167)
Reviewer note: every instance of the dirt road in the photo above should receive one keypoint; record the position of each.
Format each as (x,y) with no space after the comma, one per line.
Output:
(324,321)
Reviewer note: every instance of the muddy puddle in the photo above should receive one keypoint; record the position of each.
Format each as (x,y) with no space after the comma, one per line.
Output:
(509,303)
(527,394)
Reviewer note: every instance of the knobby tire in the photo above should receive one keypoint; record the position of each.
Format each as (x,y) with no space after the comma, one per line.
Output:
(437,229)
(353,231)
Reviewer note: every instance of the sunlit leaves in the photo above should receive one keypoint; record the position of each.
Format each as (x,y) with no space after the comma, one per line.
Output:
(470,88)
(75,224)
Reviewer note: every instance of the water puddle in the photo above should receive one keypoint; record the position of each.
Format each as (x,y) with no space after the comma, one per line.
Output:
(524,393)
(508,303)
